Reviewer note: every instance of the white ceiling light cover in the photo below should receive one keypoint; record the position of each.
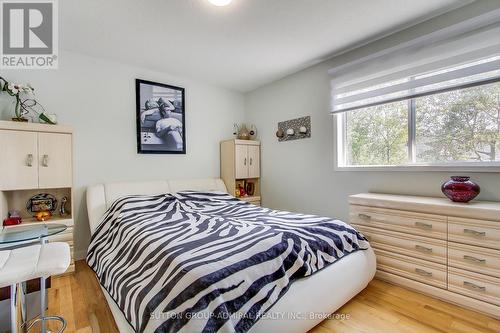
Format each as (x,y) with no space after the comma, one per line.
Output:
(220,2)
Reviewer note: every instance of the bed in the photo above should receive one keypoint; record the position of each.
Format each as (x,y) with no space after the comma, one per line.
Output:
(307,302)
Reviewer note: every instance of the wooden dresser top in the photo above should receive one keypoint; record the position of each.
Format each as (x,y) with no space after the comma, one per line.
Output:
(486,210)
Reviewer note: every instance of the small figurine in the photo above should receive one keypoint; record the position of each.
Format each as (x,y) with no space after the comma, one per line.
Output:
(62,209)
(43,216)
(243,193)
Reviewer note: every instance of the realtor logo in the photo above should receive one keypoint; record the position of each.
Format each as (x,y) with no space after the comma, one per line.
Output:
(29,34)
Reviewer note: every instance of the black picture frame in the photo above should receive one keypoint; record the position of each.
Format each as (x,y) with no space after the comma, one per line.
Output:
(160,118)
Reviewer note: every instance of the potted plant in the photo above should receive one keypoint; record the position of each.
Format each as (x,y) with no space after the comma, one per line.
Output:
(15,90)
(26,106)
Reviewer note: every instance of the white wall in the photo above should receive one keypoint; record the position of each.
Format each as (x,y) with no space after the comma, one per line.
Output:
(299,175)
(97,98)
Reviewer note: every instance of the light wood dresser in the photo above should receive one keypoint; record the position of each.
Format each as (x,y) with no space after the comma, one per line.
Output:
(36,159)
(447,250)
(240,163)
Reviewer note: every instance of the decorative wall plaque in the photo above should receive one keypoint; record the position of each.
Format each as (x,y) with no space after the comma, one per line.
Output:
(299,128)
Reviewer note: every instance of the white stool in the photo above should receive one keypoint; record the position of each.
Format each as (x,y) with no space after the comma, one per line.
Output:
(31,262)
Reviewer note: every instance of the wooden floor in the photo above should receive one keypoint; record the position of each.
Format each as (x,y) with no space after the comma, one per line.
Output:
(380,308)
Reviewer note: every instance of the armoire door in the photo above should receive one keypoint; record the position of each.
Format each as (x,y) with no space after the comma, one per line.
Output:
(253,161)
(19,160)
(55,160)
(241,161)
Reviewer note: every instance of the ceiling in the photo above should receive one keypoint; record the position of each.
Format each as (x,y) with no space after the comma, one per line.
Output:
(242,46)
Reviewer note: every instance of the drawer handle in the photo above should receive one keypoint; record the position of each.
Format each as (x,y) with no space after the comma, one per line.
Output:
(29,160)
(45,160)
(423,249)
(251,161)
(475,260)
(422,272)
(474,286)
(423,225)
(364,216)
(475,233)
(245,161)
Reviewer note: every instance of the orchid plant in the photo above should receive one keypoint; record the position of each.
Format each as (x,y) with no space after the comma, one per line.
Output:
(15,90)
(23,107)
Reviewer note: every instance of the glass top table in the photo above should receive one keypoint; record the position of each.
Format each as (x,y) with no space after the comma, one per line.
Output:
(23,233)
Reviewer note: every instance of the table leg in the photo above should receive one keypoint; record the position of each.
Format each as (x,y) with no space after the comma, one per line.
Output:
(42,303)
(42,296)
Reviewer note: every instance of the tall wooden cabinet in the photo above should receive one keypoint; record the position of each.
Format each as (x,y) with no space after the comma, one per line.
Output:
(35,159)
(240,163)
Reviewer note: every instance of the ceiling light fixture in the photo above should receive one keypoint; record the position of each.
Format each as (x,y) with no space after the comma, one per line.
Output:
(220,3)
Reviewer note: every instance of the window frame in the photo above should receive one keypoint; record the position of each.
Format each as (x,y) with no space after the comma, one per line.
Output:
(340,152)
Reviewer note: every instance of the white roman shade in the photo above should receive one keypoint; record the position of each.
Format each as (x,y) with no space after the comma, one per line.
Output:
(463,55)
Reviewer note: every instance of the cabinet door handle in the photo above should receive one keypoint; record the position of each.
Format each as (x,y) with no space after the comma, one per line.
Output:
(245,161)
(29,160)
(423,249)
(473,286)
(423,225)
(475,260)
(45,160)
(364,216)
(475,233)
(422,272)
(250,161)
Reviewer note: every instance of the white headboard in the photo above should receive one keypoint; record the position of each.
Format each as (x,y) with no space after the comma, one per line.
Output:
(101,196)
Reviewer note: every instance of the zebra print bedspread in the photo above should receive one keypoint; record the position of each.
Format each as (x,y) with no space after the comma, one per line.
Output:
(207,262)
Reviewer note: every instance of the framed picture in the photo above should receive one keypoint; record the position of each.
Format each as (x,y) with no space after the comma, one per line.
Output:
(161,118)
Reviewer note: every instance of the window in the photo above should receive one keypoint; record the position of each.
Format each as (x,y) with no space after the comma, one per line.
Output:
(431,103)
(457,126)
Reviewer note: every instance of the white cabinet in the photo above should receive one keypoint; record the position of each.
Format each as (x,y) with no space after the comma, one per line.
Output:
(247,161)
(55,160)
(19,160)
(240,164)
(35,160)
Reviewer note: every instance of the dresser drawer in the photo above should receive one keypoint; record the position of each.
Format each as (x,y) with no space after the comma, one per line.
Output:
(415,269)
(427,225)
(411,245)
(475,259)
(474,232)
(478,286)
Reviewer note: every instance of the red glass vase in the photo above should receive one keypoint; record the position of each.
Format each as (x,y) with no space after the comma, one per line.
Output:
(460,189)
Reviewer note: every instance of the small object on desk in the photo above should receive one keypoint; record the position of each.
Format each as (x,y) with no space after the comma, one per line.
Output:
(12,221)
(14,213)
(62,209)
(41,202)
(43,216)
(250,188)
(241,191)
